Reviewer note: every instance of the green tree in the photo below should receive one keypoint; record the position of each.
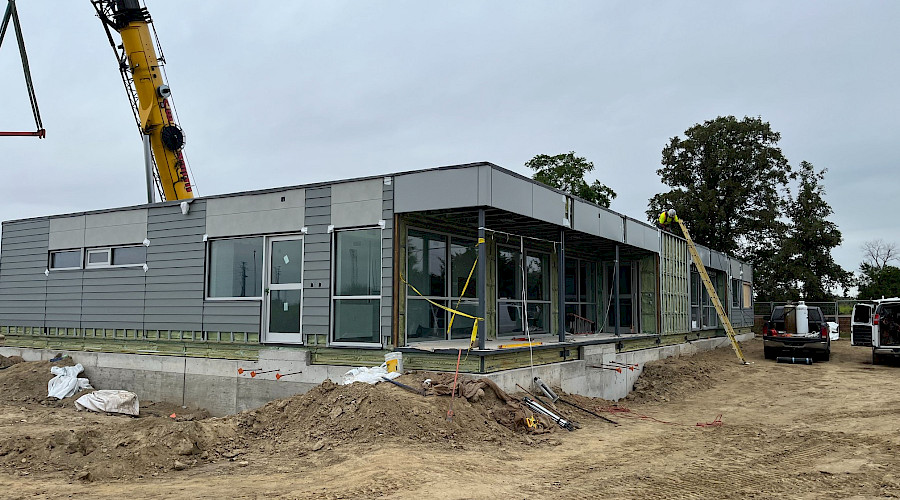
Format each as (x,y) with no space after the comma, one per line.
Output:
(725,176)
(566,172)
(811,238)
(877,282)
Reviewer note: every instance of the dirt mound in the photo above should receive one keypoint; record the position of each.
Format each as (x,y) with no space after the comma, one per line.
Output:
(107,446)
(330,415)
(27,382)
(96,446)
(6,362)
(673,378)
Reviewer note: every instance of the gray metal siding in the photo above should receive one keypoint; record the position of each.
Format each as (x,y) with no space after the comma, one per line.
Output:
(231,316)
(317,262)
(586,218)
(641,236)
(438,189)
(23,285)
(175,258)
(612,225)
(387,259)
(111,298)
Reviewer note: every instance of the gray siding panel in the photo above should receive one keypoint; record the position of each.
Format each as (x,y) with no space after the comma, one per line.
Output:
(238,316)
(23,284)
(175,261)
(317,262)
(387,259)
(612,225)
(438,189)
(113,296)
(641,236)
(587,218)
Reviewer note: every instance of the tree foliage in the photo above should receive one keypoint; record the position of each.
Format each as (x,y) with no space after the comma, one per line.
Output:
(725,178)
(730,184)
(877,282)
(566,172)
(810,239)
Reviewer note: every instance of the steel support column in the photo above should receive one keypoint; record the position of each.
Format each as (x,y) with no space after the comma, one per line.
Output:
(616,279)
(561,287)
(481,284)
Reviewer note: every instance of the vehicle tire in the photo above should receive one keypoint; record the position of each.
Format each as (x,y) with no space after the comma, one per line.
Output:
(824,356)
(875,357)
(770,352)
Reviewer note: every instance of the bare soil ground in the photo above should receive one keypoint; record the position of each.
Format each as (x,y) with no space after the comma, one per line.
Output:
(788,431)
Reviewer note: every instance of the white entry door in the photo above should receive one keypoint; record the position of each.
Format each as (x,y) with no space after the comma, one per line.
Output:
(283,294)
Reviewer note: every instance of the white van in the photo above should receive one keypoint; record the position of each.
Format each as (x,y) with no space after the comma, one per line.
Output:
(877,325)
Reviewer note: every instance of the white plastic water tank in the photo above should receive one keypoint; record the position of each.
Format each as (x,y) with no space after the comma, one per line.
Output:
(802,318)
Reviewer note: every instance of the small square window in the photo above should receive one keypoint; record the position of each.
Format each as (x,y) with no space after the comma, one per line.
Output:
(98,258)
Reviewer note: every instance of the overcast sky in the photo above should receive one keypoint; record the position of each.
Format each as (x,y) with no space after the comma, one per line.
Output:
(284,93)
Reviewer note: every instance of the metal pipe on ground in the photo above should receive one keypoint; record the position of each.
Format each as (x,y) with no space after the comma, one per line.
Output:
(794,361)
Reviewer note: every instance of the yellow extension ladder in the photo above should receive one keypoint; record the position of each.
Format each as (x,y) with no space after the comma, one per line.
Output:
(712,293)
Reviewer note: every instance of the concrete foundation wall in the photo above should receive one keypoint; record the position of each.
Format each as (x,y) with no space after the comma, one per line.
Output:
(578,377)
(216,385)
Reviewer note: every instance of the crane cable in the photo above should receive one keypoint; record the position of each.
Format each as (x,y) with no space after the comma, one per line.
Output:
(11,13)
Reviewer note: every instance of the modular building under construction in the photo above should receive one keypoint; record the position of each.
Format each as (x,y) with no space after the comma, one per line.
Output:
(170,299)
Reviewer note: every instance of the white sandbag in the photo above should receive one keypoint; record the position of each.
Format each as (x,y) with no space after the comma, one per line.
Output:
(833,332)
(66,382)
(368,375)
(109,402)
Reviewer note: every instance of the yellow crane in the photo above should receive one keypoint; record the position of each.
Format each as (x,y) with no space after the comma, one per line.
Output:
(144,79)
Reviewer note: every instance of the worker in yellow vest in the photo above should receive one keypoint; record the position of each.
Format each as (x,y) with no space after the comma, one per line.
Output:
(666,218)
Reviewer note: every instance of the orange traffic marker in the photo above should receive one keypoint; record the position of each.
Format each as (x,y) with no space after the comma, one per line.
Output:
(279,375)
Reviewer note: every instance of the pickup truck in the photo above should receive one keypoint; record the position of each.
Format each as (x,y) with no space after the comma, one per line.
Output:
(877,325)
(785,333)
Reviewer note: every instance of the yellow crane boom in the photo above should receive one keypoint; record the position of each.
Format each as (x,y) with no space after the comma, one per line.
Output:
(148,92)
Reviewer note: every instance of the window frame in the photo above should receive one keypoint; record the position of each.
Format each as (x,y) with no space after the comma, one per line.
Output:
(449,300)
(580,286)
(87,257)
(737,292)
(77,268)
(332,292)
(521,301)
(109,251)
(208,269)
(266,336)
(112,255)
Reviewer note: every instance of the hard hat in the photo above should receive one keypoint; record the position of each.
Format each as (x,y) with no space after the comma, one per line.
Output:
(671,212)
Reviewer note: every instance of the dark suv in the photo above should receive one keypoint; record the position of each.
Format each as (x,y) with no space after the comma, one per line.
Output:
(782,335)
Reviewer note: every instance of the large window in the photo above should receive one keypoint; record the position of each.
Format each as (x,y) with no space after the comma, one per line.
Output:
(695,300)
(581,306)
(625,280)
(439,267)
(357,286)
(736,292)
(235,268)
(703,312)
(512,282)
